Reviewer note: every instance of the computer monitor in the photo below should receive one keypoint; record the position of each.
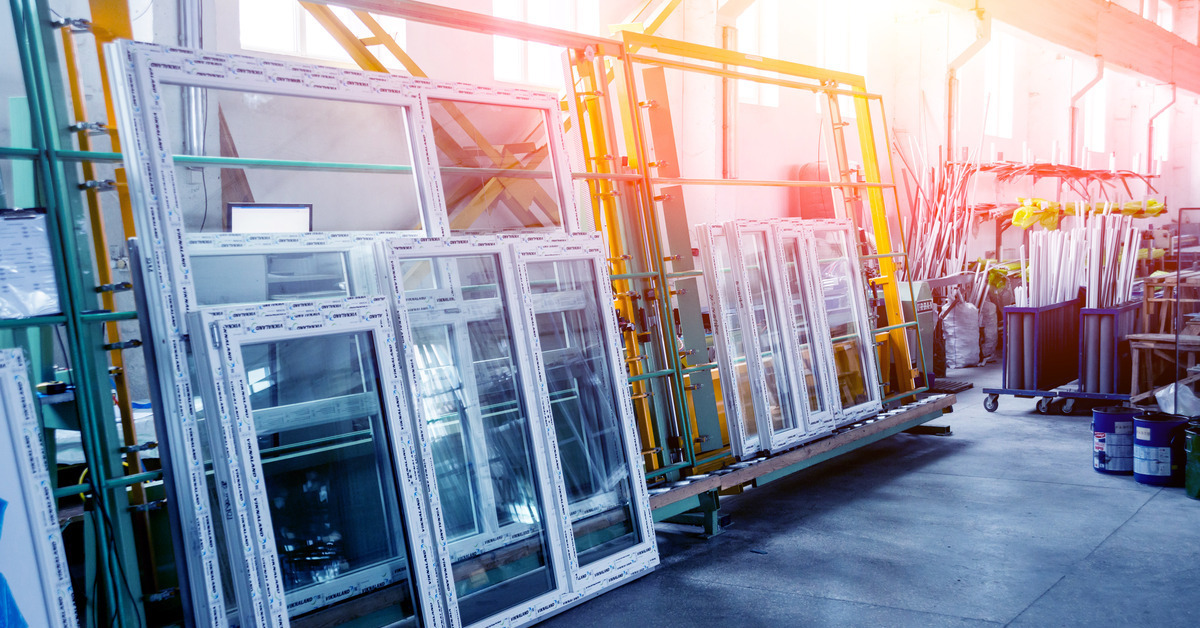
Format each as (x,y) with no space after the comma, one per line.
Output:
(268,217)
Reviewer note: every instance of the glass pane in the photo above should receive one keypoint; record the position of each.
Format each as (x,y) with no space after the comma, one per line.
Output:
(14,108)
(381,195)
(586,413)
(18,186)
(327,464)
(798,293)
(340,200)
(837,285)
(259,277)
(497,167)
(770,337)
(273,126)
(727,287)
(469,388)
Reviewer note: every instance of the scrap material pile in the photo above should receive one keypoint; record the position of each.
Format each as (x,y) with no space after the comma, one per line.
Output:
(1101,256)
(937,243)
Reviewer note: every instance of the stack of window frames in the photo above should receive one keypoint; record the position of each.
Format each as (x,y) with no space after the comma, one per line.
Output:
(793,337)
(297,381)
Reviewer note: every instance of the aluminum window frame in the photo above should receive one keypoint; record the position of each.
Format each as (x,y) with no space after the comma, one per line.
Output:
(633,562)
(19,417)
(543,444)
(225,331)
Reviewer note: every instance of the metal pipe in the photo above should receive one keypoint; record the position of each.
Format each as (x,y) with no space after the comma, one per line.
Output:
(36,71)
(822,88)
(1106,353)
(1150,133)
(1076,159)
(190,18)
(729,103)
(1014,352)
(1091,335)
(768,183)
(983,35)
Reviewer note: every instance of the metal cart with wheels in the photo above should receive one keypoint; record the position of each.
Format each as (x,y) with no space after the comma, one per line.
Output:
(1040,349)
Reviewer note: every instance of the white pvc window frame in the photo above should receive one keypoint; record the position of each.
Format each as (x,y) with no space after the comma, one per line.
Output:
(785,365)
(710,239)
(820,423)
(866,333)
(630,563)
(548,107)
(138,71)
(543,444)
(19,418)
(360,260)
(227,393)
(810,424)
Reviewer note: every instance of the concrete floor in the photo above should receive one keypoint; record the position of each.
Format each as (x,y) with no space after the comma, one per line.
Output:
(1003,523)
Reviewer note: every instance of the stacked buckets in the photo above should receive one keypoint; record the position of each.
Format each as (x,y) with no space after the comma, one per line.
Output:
(1157,448)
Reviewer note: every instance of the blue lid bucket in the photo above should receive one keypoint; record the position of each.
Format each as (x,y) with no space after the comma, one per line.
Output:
(1112,439)
(1158,449)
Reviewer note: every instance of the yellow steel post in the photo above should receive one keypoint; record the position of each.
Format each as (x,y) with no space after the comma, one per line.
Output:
(110,21)
(883,245)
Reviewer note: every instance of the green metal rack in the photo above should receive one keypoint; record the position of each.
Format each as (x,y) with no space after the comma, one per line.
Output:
(111,578)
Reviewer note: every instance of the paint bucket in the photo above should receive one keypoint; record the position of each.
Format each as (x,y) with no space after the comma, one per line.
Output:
(1192,470)
(1112,439)
(1158,449)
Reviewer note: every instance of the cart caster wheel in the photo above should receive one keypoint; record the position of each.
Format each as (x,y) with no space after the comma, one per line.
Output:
(1043,405)
(1068,407)
(991,402)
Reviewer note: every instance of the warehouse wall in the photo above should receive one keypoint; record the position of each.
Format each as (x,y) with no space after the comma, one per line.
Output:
(908,45)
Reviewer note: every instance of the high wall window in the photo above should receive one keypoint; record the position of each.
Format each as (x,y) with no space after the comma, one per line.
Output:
(758,34)
(843,44)
(1166,15)
(527,63)
(284,27)
(1095,117)
(1162,139)
(999,75)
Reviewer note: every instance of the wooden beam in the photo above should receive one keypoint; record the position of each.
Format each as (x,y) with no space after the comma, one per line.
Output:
(1096,27)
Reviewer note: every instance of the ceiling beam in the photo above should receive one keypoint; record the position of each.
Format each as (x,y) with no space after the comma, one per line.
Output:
(1099,28)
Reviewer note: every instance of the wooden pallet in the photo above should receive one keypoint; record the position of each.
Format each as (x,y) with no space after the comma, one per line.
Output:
(1154,352)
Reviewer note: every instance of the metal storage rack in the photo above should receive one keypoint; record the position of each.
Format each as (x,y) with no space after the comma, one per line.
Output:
(122,561)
